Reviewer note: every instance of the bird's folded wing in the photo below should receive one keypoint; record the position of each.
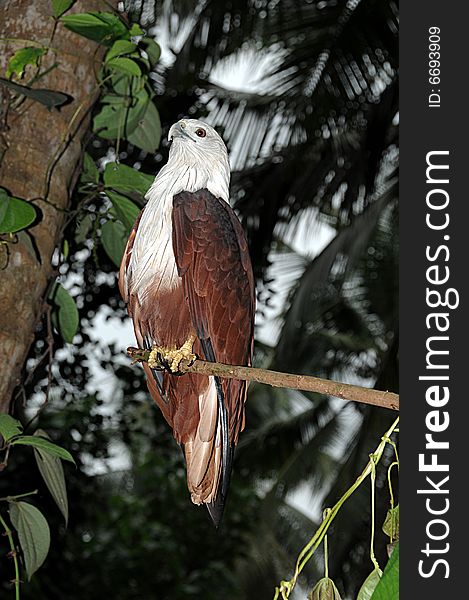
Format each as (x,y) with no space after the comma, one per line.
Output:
(213,261)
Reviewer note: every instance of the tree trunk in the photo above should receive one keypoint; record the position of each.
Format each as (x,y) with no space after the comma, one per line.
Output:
(40,154)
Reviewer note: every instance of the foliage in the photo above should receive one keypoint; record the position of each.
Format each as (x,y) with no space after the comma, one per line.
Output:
(127,109)
(325,589)
(136,518)
(15,214)
(28,521)
(48,98)
(22,58)
(59,7)
(52,472)
(388,586)
(369,585)
(65,313)
(33,534)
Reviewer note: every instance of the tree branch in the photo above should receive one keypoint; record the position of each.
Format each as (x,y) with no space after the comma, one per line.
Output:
(306,383)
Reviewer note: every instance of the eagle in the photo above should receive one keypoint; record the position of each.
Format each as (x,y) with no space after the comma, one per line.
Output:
(187,280)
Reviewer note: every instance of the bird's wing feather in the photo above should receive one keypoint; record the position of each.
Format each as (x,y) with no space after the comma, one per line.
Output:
(213,260)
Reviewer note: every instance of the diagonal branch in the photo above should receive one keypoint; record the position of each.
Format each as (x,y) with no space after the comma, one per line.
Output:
(306,383)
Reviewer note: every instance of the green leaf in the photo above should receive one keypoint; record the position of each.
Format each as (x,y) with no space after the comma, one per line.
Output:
(52,472)
(48,98)
(9,427)
(147,134)
(391,523)
(325,589)
(109,123)
(65,315)
(119,48)
(114,237)
(120,115)
(128,86)
(98,26)
(90,173)
(126,179)
(136,30)
(84,225)
(15,214)
(59,7)
(388,586)
(126,210)
(369,585)
(117,100)
(119,28)
(65,249)
(33,534)
(152,49)
(124,65)
(22,58)
(44,445)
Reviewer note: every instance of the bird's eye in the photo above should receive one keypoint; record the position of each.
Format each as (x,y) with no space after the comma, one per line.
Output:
(201,132)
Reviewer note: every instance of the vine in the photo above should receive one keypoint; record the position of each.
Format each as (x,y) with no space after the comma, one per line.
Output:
(285,588)
(26,520)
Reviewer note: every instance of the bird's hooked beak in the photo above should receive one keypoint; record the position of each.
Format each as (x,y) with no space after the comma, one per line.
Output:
(178,130)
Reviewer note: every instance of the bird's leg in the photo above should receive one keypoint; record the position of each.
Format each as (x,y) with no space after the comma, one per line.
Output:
(171,358)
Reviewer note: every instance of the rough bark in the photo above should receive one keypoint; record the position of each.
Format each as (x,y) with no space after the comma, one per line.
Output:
(40,153)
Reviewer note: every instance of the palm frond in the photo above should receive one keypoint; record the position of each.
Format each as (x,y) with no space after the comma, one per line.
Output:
(269,442)
(319,291)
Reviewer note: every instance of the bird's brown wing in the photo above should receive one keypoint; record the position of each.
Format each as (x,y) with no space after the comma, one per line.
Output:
(213,260)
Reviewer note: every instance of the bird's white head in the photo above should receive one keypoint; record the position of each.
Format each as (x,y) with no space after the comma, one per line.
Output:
(197,138)
(197,145)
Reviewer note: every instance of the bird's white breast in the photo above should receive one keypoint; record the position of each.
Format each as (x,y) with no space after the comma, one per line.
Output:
(152,267)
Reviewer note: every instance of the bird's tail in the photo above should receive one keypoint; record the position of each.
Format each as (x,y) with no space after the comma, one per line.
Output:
(209,454)
(216,507)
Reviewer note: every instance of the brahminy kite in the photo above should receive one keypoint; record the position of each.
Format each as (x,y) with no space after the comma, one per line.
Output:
(187,280)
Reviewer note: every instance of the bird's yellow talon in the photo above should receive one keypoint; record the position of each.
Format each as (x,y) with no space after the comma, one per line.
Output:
(172,357)
(153,361)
